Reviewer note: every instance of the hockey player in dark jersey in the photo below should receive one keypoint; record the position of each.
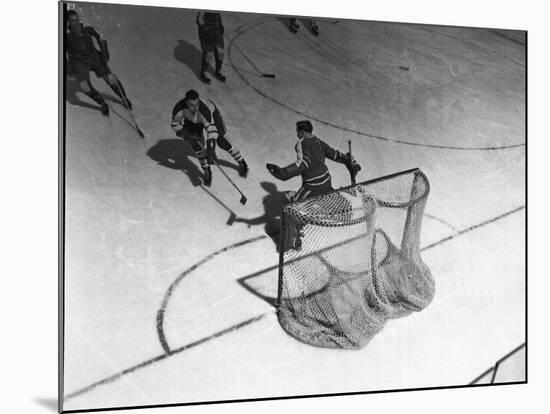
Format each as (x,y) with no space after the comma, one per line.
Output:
(310,164)
(190,117)
(211,37)
(294,26)
(83,56)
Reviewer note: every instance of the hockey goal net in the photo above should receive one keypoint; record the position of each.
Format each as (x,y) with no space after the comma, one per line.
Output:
(350,260)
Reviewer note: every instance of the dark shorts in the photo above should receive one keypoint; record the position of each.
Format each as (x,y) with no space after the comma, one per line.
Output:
(306,192)
(211,38)
(190,135)
(195,140)
(94,63)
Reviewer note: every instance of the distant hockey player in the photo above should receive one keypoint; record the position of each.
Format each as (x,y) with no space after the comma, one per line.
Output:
(190,117)
(294,26)
(211,37)
(311,153)
(83,57)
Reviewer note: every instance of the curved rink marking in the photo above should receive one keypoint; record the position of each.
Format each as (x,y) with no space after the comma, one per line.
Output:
(166,300)
(244,29)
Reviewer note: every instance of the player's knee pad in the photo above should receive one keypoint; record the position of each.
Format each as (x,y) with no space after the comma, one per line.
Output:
(110,79)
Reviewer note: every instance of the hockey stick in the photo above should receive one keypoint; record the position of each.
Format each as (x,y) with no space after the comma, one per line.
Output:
(124,102)
(352,175)
(240,30)
(126,106)
(263,74)
(243,197)
(232,215)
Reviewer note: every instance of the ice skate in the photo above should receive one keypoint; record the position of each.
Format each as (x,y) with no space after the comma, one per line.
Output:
(204,78)
(104,109)
(207,179)
(220,77)
(315,28)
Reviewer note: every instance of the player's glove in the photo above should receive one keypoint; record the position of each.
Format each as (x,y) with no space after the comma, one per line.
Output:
(105,55)
(275,170)
(285,173)
(352,166)
(211,151)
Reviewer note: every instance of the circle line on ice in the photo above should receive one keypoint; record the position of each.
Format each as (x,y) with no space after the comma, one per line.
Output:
(258,22)
(162,311)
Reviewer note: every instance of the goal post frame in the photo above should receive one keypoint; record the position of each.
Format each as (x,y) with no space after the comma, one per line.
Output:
(308,298)
(283,223)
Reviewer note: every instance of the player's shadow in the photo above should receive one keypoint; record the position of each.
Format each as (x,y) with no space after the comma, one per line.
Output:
(271,219)
(178,155)
(48,403)
(189,55)
(72,88)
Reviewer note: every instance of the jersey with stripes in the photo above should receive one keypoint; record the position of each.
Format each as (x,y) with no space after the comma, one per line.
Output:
(195,123)
(311,153)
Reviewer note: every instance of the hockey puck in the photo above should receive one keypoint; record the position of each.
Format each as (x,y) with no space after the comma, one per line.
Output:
(404,68)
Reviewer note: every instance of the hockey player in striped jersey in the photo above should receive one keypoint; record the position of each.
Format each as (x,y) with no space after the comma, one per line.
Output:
(310,164)
(190,117)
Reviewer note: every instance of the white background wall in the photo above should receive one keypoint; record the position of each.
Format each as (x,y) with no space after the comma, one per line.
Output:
(29,202)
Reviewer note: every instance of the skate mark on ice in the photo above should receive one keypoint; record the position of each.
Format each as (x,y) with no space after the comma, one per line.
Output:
(250,24)
(511,39)
(232,45)
(473,44)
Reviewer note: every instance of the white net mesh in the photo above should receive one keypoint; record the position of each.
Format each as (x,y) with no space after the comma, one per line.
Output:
(350,260)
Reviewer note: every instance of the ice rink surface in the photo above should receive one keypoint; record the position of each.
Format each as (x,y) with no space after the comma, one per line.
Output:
(167,303)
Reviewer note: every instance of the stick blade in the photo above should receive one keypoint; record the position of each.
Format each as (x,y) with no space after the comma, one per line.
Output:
(243,200)
(231,219)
